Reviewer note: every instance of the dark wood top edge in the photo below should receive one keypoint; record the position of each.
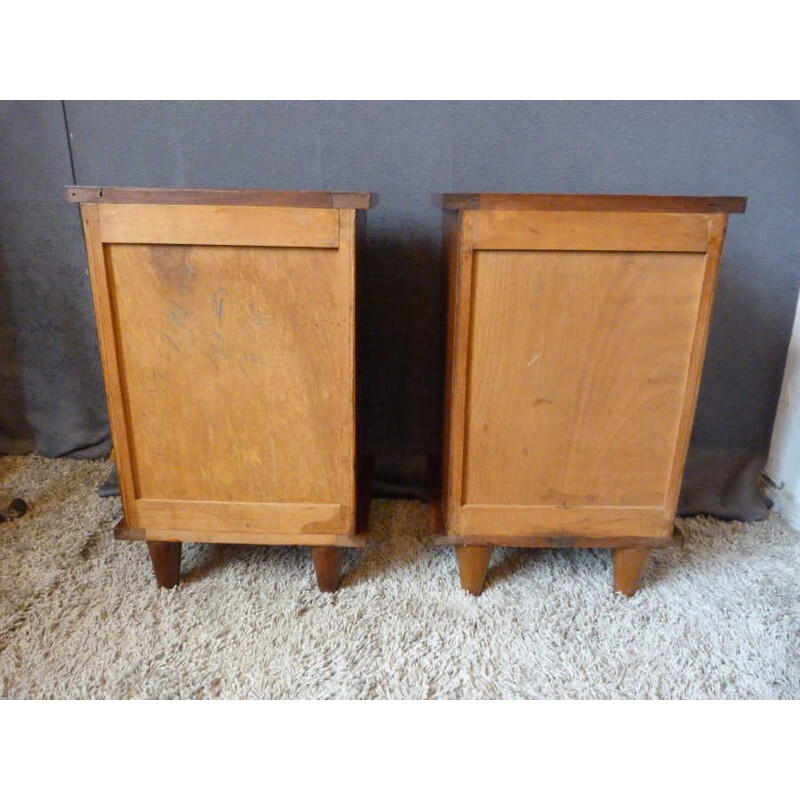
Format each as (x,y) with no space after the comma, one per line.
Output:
(591,202)
(223,197)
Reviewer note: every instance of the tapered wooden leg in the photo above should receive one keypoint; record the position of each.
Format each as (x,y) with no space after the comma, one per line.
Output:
(166,558)
(629,564)
(327,565)
(473,561)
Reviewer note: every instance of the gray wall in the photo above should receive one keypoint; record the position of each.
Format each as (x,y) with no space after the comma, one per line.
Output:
(51,390)
(405,151)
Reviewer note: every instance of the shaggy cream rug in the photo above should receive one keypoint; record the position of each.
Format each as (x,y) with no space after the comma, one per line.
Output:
(81,616)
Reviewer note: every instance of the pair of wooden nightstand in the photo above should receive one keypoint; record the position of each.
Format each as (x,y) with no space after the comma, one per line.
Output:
(577,328)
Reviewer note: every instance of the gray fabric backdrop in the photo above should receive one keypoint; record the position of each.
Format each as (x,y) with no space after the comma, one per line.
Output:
(52,391)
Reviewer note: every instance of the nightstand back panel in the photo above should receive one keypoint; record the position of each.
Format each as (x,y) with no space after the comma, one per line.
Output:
(577,326)
(237,368)
(577,373)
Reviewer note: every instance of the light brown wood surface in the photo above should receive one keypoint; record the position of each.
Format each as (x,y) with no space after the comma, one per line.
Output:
(587,230)
(250,349)
(568,520)
(692,390)
(356,540)
(238,226)
(629,565)
(214,534)
(227,336)
(243,518)
(473,563)
(125,533)
(573,374)
(576,334)
(577,373)
(107,339)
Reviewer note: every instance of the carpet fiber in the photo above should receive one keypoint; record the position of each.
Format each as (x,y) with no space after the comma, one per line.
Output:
(81,616)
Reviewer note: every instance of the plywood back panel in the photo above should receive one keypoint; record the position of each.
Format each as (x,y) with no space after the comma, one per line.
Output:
(578,367)
(236,364)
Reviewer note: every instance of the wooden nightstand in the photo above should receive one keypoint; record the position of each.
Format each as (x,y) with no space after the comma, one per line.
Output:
(226,322)
(577,327)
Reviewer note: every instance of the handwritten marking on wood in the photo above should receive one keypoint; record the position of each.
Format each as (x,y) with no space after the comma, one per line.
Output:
(220,296)
(177,313)
(171,341)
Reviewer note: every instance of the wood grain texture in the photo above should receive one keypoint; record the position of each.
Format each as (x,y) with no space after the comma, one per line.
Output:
(577,373)
(229,370)
(348,233)
(593,202)
(244,518)
(574,353)
(123,532)
(220,197)
(473,563)
(587,230)
(218,225)
(250,538)
(237,364)
(629,565)
(112,379)
(542,520)
(692,389)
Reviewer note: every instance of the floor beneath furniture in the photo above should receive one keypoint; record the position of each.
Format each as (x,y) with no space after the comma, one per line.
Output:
(81,616)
